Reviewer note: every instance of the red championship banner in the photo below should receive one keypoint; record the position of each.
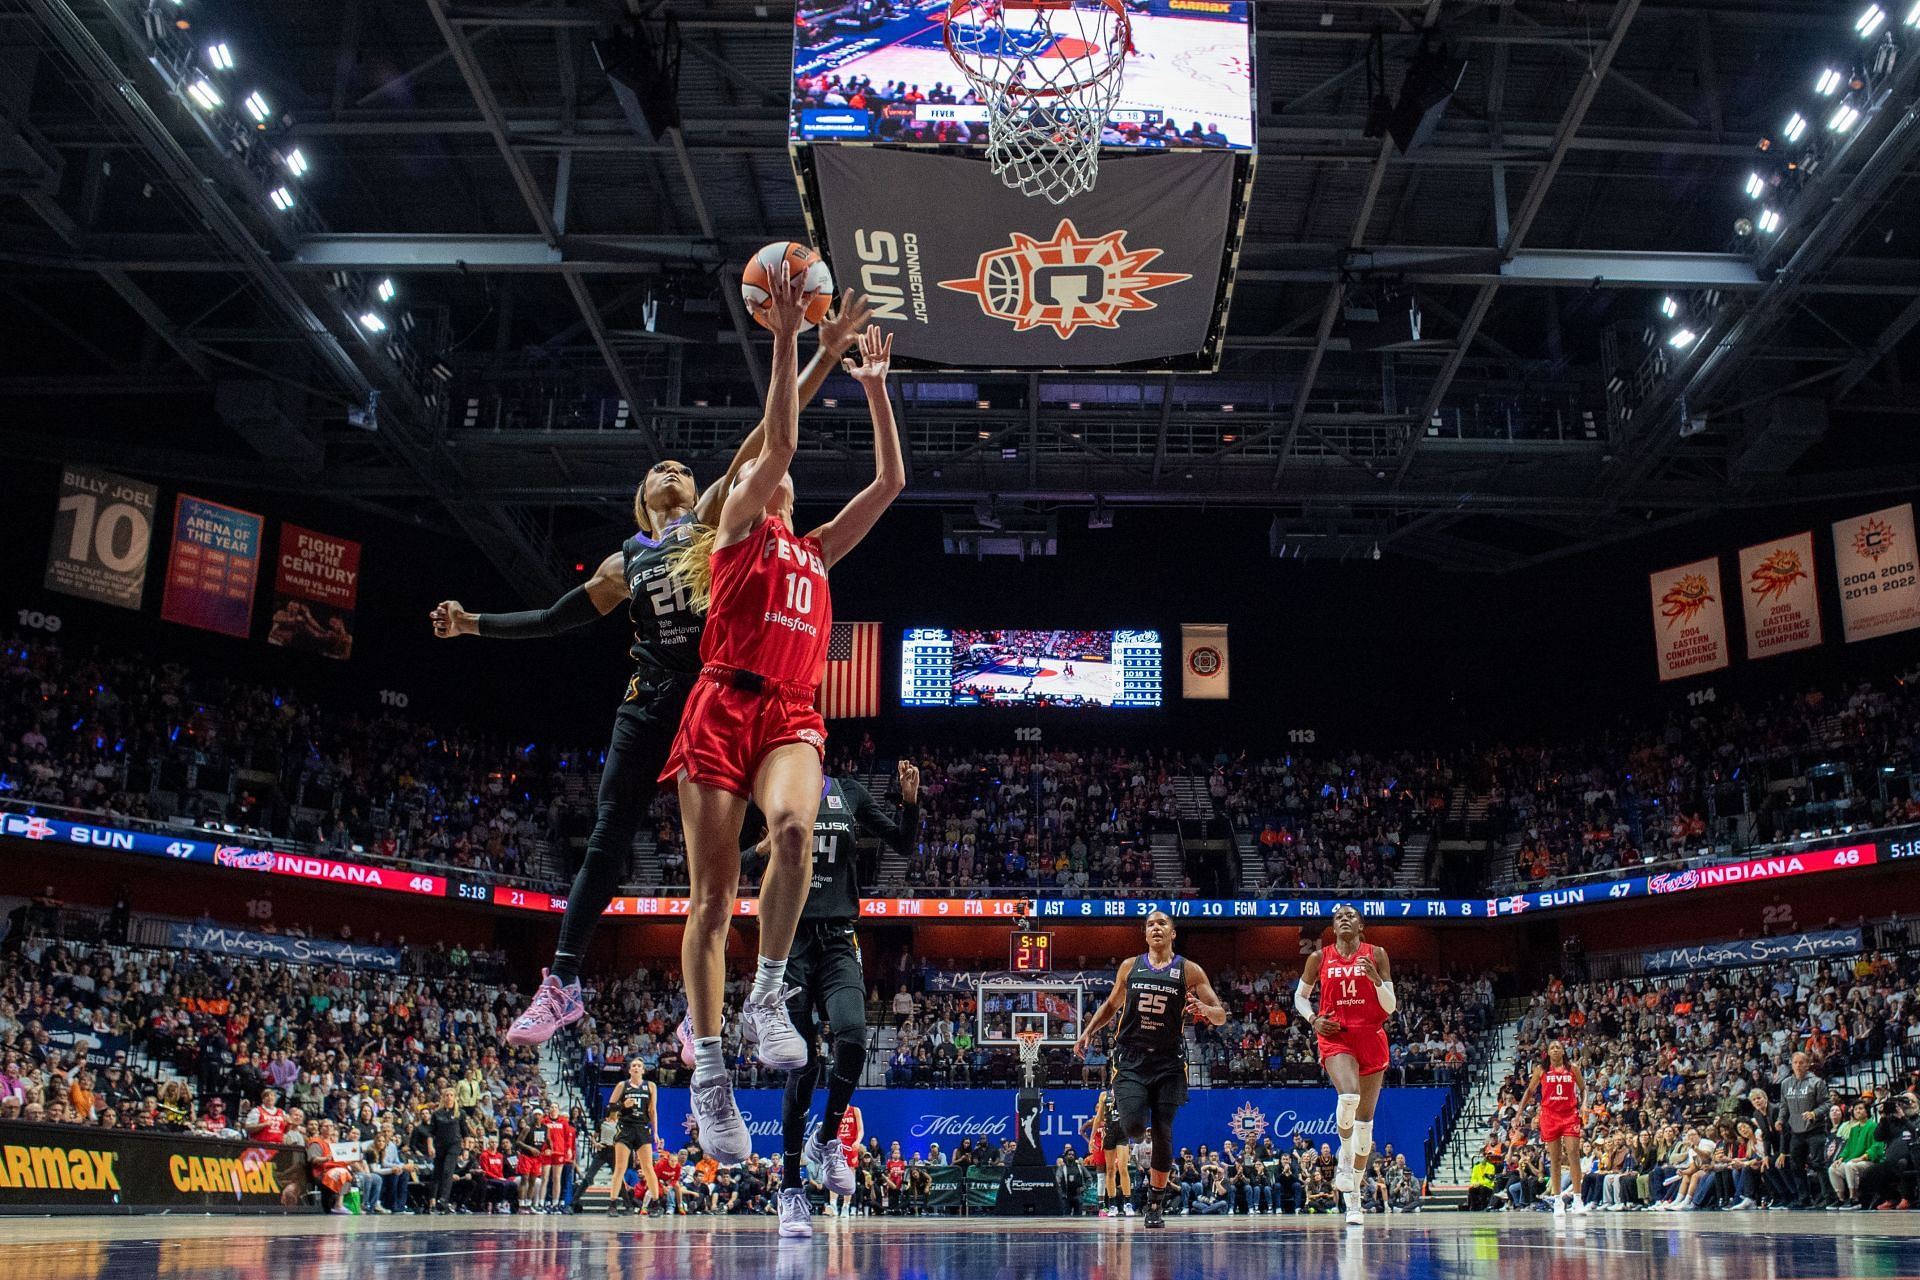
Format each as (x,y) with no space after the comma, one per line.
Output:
(316,585)
(1689,620)
(1873,557)
(1779,596)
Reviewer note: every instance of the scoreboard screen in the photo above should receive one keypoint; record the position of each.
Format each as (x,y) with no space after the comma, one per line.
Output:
(1030,952)
(1030,667)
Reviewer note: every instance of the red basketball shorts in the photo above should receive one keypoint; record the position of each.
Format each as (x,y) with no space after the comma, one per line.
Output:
(726,732)
(1366,1045)
(1559,1124)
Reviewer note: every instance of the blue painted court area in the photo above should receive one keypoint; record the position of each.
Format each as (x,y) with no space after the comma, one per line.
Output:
(1781,1246)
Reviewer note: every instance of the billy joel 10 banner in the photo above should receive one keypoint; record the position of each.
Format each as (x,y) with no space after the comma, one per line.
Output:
(1873,556)
(1689,620)
(963,271)
(101,532)
(1782,603)
(215,562)
(316,584)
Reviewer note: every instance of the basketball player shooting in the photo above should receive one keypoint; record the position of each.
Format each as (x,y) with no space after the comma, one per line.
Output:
(1149,1046)
(1356,995)
(751,729)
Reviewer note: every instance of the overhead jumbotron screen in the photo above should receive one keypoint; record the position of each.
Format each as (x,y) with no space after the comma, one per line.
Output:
(1030,667)
(879,71)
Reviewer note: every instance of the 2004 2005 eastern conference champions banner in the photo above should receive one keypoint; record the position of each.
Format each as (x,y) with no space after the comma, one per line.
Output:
(962,270)
(1874,559)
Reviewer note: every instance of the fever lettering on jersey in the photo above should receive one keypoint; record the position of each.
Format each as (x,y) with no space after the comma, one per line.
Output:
(1556,1089)
(1346,992)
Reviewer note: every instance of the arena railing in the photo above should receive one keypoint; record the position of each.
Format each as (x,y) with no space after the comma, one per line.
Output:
(1711,855)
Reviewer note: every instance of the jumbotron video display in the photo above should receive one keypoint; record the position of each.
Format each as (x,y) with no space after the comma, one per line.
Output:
(878,70)
(1029,667)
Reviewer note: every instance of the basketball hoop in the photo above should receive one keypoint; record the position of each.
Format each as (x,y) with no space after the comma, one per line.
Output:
(1048,72)
(1029,1042)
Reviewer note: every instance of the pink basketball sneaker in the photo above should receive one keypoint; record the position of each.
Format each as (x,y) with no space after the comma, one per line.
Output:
(554,1006)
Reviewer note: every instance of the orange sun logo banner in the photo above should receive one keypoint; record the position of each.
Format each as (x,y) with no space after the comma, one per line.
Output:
(1782,600)
(1874,562)
(1690,624)
(1066,283)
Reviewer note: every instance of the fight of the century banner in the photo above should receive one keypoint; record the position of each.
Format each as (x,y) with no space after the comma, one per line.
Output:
(1744,951)
(1780,598)
(316,584)
(918,1118)
(213,568)
(1873,558)
(961,270)
(1203,660)
(1689,619)
(103,525)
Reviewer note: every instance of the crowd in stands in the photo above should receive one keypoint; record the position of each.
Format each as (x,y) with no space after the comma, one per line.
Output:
(1788,1085)
(134,739)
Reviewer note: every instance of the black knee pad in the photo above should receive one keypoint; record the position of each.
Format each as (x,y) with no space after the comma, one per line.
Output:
(849,1055)
(1161,1160)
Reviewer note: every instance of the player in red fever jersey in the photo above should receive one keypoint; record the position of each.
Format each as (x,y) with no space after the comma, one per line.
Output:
(751,729)
(1356,995)
(1562,1093)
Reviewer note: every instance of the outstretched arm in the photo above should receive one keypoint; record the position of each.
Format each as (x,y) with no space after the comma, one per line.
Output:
(741,508)
(837,333)
(870,817)
(844,532)
(596,597)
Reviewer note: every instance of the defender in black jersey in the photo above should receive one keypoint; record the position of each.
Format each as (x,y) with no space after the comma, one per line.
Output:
(1152,996)
(666,655)
(635,1107)
(824,970)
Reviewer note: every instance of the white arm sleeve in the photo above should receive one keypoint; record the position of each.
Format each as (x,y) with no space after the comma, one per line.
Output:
(1384,993)
(1302,1001)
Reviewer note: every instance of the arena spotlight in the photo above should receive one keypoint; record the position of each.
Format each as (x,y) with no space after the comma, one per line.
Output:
(386,290)
(372,323)
(1769,220)
(220,57)
(282,198)
(1871,21)
(1829,83)
(1795,126)
(257,107)
(1756,186)
(295,161)
(1682,338)
(1913,15)
(1844,118)
(1669,307)
(204,94)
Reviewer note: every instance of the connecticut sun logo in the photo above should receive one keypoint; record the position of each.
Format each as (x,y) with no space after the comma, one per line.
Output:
(1685,598)
(1204,661)
(1775,575)
(1065,283)
(1873,539)
(1249,1123)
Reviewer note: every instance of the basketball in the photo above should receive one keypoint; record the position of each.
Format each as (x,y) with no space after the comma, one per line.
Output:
(800,260)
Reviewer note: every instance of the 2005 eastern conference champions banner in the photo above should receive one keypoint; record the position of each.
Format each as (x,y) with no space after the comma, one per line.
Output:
(916,1118)
(960,269)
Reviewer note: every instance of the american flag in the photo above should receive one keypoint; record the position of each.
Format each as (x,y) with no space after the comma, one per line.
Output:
(852,686)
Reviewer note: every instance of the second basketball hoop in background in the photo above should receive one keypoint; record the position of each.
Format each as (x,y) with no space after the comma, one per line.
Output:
(1048,72)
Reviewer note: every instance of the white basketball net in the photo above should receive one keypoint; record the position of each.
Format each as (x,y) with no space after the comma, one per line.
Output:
(1048,74)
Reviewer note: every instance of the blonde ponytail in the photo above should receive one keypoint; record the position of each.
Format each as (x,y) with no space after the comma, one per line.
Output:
(690,565)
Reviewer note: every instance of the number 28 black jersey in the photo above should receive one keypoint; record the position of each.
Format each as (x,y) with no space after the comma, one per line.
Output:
(1152,1011)
(666,630)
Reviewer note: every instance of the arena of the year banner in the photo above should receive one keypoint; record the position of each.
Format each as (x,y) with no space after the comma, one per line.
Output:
(961,270)
(214,566)
(1689,619)
(1875,562)
(316,584)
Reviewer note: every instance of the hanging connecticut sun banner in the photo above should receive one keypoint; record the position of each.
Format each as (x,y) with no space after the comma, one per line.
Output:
(1689,619)
(1779,597)
(1873,561)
